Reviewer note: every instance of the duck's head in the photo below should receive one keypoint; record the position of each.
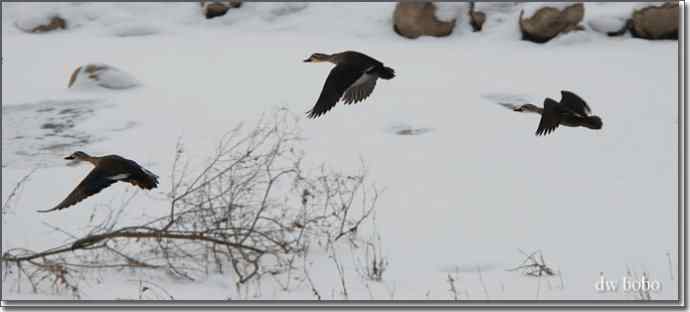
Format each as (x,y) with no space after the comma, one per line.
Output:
(530,108)
(78,155)
(318,57)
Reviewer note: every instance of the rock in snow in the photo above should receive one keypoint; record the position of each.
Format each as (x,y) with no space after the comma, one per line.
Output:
(41,23)
(101,75)
(606,24)
(656,22)
(414,19)
(549,21)
(213,9)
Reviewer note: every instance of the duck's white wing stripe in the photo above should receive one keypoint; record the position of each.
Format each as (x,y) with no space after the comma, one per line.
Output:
(119,176)
(360,89)
(362,79)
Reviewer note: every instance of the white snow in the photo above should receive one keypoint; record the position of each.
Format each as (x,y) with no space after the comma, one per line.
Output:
(448,11)
(467,192)
(135,29)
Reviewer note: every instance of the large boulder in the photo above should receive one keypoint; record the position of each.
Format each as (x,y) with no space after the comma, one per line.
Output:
(548,22)
(101,75)
(415,19)
(216,8)
(656,22)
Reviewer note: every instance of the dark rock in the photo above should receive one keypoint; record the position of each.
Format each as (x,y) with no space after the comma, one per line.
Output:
(415,19)
(655,23)
(477,18)
(213,9)
(55,22)
(549,22)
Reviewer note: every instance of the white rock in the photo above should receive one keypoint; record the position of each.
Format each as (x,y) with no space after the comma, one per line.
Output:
(606,24)
(101,75)
(30,21)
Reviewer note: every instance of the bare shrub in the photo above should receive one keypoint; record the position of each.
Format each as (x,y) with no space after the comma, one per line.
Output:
(16,190)
(452,288)
(533,265)
(370,263)
(253,210)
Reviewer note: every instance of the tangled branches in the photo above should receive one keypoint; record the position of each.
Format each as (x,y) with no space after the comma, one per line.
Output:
(253,209)
(534,265)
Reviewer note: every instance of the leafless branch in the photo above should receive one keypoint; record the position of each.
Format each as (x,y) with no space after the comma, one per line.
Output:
(533,265)
(252,207)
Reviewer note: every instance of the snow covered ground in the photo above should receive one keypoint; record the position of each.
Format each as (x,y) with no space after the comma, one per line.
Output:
(470,188)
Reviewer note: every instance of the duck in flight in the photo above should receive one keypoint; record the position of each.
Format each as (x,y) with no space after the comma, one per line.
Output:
(107,170)
(353,79)
(571,111)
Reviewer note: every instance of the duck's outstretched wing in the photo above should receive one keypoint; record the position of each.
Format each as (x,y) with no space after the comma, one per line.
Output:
(339,80)
(550,118)
(360,89)
(575,103)
(94,182)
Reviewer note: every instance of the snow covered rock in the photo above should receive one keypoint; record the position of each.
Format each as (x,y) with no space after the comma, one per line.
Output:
(41,23)
(656,22)
(549,21)
(477,18)
(101,75)
(609,25)
(213,9)
(415,19)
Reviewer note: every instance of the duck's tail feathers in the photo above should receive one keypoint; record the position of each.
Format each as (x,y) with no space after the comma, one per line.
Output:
(593,122)
(148,180)
(386,73)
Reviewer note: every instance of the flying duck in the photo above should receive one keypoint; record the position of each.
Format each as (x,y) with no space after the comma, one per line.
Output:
(352,79)
(107,170)
(571,111)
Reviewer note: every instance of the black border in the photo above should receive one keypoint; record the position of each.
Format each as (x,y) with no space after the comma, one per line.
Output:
(680,303)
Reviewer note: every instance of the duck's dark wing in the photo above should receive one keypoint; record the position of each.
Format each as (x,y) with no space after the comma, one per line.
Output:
(339,80)
(550,117)
(92,184)
(360,89)
(575,103)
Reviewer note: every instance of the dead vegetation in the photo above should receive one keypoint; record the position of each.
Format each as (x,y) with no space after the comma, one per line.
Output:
(533,265)
(253,210)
